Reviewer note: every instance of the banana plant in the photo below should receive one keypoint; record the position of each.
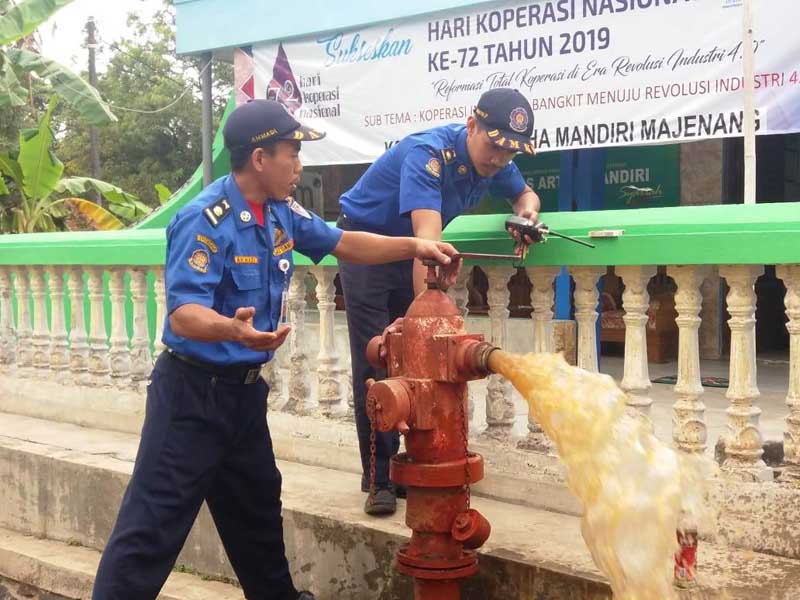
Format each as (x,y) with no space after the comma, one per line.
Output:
(18,64)
(37,196)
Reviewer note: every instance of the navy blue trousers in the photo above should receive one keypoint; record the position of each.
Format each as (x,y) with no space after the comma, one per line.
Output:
(374,296)
(202,439)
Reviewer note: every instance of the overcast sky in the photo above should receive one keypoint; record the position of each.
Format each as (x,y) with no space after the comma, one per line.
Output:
(63,35)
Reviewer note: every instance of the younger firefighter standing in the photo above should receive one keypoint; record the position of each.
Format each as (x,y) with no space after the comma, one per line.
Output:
(416,188)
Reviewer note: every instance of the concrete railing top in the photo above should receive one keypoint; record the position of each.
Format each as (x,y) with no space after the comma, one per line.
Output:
(719,234)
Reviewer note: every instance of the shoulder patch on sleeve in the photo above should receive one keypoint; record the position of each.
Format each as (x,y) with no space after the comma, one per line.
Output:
(434,167)
(449,155)
(217,211)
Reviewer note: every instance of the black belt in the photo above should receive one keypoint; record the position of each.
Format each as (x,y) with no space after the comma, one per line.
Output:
(239,373)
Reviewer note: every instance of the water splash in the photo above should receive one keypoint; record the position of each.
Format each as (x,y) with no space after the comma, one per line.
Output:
(635,490)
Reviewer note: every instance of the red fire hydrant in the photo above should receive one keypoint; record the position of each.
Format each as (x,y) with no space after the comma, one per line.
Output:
(425,399)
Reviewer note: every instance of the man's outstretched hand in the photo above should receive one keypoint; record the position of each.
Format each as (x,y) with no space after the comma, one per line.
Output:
(247,335)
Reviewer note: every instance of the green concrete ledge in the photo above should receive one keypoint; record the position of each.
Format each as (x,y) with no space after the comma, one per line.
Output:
(719,234)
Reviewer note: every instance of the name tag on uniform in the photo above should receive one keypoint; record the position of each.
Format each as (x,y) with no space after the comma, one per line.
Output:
(245,260)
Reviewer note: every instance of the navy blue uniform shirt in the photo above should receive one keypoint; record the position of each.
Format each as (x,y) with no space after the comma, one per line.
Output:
(218,256)
(426,170)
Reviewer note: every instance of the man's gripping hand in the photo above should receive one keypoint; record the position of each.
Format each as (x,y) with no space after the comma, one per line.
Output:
(441,252)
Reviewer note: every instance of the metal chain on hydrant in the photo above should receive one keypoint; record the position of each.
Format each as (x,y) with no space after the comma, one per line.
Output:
(371,459)
(371,410)
(465,440)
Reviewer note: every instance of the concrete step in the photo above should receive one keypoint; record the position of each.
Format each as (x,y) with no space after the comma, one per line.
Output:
(64,482)
(67,571)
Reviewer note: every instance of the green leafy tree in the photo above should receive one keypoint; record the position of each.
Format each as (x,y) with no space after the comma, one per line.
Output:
(159,141)
(22,68)
(35,196)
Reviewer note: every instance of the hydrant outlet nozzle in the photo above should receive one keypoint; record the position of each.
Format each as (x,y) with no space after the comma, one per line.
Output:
(472,359)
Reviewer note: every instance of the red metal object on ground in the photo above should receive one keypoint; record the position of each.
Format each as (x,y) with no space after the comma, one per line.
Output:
(425,399)
(686,559)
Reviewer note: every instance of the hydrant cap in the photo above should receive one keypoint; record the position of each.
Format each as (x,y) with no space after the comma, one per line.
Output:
(374,353)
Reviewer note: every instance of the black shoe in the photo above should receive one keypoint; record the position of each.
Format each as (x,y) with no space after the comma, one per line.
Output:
(399,490)
(306,596)
(383,502)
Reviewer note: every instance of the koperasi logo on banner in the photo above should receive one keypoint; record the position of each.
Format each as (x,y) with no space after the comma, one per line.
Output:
(597,73)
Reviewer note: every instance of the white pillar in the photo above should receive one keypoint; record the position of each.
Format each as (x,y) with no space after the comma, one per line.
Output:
(140,356)
(41,333)
(499,402)
(99,363)
(790,274)
(298,369)
(59,345)
(348,414)
(159,292)
(544,341)
(78,338)
(636,301)
(329,373)
(743,447)
(586,298)
(689,429)
(460,295)
(119,353)
(271,374)
(24,330)
(8,339)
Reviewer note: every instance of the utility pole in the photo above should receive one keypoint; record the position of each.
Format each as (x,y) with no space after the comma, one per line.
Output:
(749,127)
(206,82)
(91,44)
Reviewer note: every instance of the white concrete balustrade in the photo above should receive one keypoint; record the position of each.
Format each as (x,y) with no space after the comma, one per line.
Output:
(89,327)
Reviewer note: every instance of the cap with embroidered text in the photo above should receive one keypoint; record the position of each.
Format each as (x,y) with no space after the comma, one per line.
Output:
(260,121)
(508,119)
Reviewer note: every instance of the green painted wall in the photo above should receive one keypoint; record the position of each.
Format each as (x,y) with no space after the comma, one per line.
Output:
(719,234)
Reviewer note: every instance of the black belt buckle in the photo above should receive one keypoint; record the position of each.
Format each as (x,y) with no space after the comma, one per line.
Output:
(252,376)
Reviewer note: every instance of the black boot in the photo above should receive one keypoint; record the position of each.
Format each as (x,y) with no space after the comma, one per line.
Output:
(399,490)
(382,502)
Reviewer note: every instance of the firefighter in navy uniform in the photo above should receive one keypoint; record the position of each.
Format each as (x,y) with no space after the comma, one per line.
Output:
(416,188)
(205,435)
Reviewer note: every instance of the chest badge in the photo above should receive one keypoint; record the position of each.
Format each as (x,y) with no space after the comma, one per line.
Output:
(280,244)
(296,207)
(245,216)
(462,169)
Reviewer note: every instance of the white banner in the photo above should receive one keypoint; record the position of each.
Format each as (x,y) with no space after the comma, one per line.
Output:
(597,73)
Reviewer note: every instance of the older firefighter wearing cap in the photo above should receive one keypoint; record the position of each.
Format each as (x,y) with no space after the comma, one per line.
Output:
(205,435)
(416,188)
